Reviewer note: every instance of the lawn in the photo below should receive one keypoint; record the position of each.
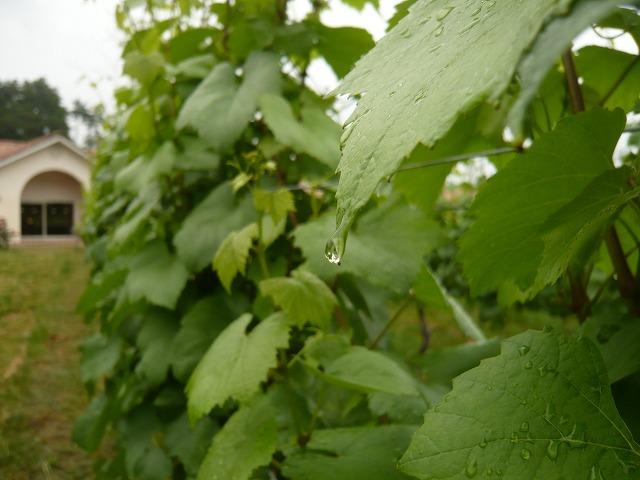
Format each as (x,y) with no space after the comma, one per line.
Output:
(40,388)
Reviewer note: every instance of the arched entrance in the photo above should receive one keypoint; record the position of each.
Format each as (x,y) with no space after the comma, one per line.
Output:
(50,205)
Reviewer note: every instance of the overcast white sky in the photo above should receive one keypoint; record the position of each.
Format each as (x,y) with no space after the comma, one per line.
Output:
(75,46)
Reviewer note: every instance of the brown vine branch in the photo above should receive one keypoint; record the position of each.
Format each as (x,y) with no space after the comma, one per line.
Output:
(626,282)
(374,343)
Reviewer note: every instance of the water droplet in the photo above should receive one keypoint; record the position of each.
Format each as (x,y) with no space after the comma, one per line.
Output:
(489,471)
(542,370)
(523,402)
(514,437)
(552,449)
(524,427)
(523,350)
(525,454)
(439,31)
(443,13)
(476,11)
(489,387)
(469,26)
(471,469)
(483,443)
(528,365)
(334,249)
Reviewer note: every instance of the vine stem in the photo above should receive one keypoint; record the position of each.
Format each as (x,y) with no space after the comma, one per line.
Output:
(626,282)
(374,343)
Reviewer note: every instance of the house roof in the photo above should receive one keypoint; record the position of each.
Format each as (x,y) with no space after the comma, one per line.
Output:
(13,150)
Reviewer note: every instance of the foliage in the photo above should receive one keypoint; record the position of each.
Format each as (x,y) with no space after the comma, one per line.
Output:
(230,348)
(30,109)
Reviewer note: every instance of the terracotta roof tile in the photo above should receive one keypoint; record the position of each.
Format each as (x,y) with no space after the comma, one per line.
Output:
(11,147)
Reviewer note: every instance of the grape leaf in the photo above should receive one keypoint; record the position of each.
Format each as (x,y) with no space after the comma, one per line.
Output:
(231,257)
(547,49)
(504,245)
(601,68)
(200,326)
(302,296)
(583,218)
(351,453)
(91,424)
(370,371)
(541,409)
(99,355)
(188,443)
(367,371)
(154,339)
(156,275)
(219,109)
(277,204)
(209,223)
(433,66)
(617,335)
(246,442)
(342,46)
(429,291)
(236,363)
(316,134)
(383,247)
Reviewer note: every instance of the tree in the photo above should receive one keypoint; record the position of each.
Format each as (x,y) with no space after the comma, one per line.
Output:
(30,109)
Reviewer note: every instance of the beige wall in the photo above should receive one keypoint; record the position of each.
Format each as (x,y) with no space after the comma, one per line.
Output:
(51,175)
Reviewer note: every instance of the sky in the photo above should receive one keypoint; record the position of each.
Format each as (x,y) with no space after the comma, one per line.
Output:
(75,45)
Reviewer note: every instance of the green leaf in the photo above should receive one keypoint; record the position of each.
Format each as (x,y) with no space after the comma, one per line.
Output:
(341,47)
(368,371)
(99,355)
(429,291)
(91,424)
(231,257)
(277,204)
(246,442)
(384,247)
(219,109)
(200,326)
(434,65)
(144,458)
(444,364)
(155,339)
(302,296)
(144,68)
(156,275)
(548,48)
(189,444)
(617,336)
(585,217)
(601,68)
(236,363)
(208,225)
(139,124)
(315,134)
(351,453)
(504,245)
(541,409)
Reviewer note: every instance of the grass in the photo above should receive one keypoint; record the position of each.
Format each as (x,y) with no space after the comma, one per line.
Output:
(40,388)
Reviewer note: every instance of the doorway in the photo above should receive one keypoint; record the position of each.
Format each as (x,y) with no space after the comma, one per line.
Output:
(48,219)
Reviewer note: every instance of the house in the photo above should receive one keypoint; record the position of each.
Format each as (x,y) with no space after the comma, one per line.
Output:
(41,187)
